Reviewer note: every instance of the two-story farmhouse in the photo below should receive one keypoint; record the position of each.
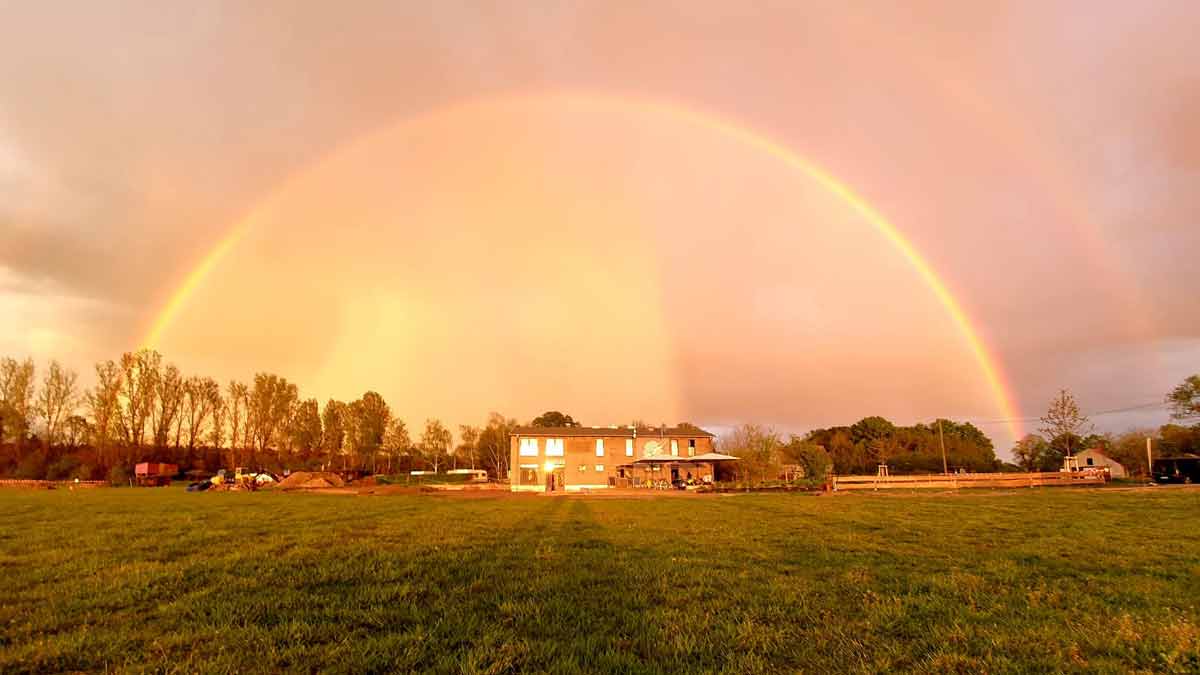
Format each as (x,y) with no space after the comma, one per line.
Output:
(576,458)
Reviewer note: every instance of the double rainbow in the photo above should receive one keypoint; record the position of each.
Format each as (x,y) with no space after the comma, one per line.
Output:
(987,362)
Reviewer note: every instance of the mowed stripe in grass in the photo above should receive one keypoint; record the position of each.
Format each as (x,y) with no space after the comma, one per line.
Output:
(1042,580)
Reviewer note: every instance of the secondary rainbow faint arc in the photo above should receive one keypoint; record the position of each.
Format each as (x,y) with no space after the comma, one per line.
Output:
(988,364)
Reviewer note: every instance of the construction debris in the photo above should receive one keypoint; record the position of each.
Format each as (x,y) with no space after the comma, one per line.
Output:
(311,480)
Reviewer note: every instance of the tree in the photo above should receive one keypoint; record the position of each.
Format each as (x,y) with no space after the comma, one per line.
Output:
(467,447)
(1063,423)
(494,442)
(306,428)
(220,415)
(269,405)
(368,418)
(16,399)
(1033,453)
(169,389)
(75,432)
(553,418)
(57,401)
(104,405)
(333,433)
(435,442)
(139,375)
(1185,399)
(1129,450)
(757,447)
(396,441)
(201,395)
(237,401)
(811,457)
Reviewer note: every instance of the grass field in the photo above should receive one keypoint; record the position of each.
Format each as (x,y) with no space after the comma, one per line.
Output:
(1041,580)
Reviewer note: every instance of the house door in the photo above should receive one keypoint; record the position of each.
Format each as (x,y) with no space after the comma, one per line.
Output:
(674,475)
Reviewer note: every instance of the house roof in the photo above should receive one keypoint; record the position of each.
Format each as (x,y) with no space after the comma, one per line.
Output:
(610,432)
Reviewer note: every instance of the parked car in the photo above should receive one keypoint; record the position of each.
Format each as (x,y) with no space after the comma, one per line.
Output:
(1177,469)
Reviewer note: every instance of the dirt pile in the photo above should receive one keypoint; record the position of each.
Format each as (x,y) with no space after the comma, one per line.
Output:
(311,480)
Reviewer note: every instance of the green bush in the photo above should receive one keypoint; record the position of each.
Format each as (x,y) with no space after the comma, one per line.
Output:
(33,467)
(119,475)
(63,468)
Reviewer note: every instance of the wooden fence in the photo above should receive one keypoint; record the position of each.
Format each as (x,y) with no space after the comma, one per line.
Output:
(955,481)
(51,484)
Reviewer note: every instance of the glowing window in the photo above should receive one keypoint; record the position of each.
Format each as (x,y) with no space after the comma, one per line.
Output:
(582,468)
(674,448)
(529,447)
(554,447)
(629,447)
(599,447)
(599,467)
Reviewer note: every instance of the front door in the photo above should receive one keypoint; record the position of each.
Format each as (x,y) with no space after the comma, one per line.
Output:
(674,475)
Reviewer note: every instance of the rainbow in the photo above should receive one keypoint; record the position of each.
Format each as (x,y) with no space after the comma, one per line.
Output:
(987,362)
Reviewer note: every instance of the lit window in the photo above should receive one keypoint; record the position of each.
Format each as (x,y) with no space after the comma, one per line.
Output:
(599,467)
(629,447)
(691,447)
(582,468)
(554,447)
(528,477)
(529,447)
(599,447)
(674,448)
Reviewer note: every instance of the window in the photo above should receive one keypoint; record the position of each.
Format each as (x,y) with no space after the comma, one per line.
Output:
(1090,461)
(554,447)
(674,448)
(691,447)
(528,477)
(583,468)
(529,447)
(599,447)
(599,467)
(629,447)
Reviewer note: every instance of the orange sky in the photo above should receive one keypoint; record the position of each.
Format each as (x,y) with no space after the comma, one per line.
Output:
(459,256)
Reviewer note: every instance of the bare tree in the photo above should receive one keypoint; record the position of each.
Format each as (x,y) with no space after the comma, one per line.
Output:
(435,442)
(468,444)
(139,377)
(494,442)
(396,441)
(57,401)
(16,398)
(1063,421)
(168,399)
(200,393)
(104,404)
(220,412)
(237,402)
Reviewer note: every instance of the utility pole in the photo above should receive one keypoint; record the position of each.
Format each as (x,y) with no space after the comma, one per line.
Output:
(942,442)
(1149,460)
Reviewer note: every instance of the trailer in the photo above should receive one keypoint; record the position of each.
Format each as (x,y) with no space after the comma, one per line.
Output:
(154,474)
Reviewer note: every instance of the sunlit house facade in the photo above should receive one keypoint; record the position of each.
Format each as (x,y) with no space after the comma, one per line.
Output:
(586,458)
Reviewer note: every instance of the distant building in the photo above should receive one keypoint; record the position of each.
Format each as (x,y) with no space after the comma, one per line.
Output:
(577,458)
(1094,458)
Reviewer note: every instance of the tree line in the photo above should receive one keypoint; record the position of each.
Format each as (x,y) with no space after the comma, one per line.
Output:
(142,408)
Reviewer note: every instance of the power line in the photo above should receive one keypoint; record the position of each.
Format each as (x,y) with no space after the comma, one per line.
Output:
(1098,413)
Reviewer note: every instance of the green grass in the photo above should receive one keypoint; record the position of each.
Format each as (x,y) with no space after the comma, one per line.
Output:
(1043,580)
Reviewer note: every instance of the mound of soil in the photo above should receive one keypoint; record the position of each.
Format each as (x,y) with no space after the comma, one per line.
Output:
(310,480)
